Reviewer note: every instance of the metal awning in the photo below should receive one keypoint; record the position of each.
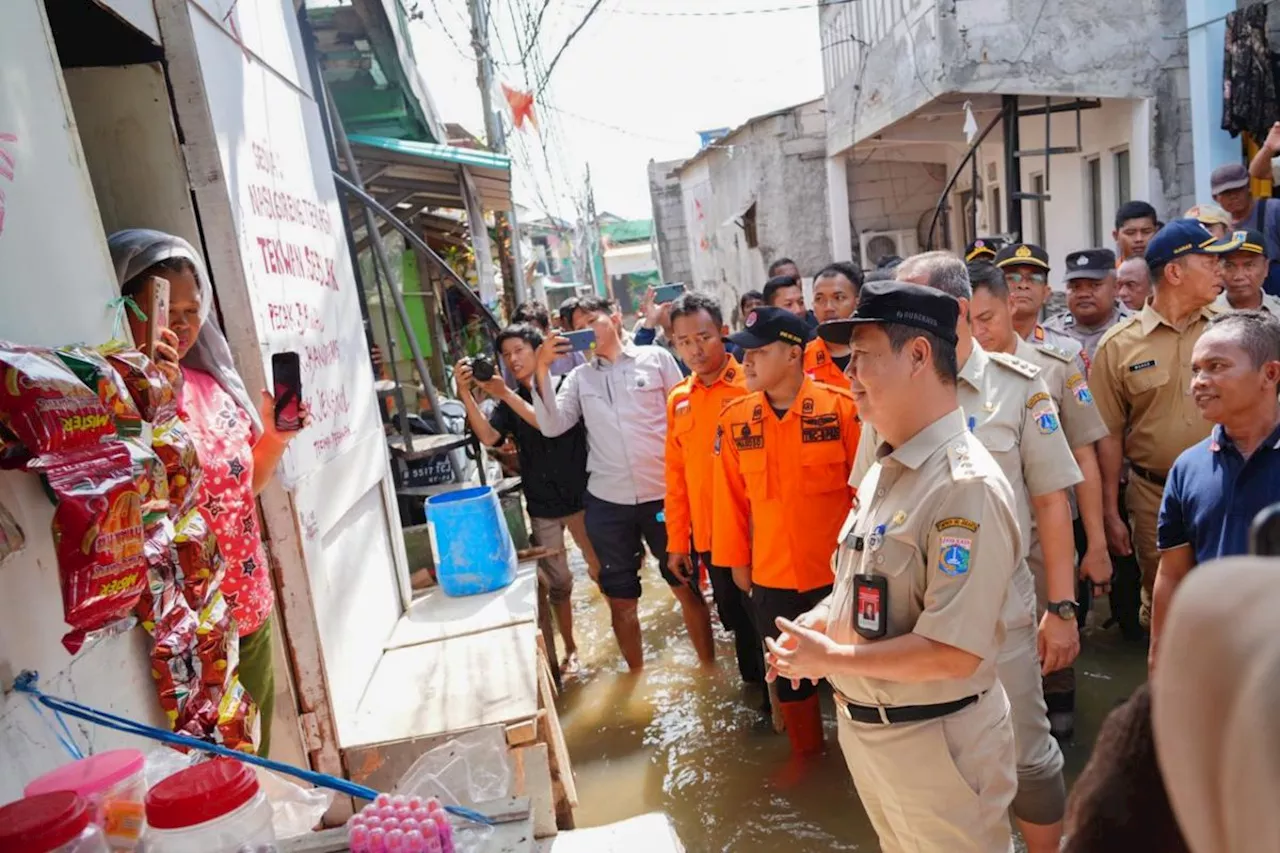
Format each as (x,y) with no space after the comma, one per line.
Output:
(425,175)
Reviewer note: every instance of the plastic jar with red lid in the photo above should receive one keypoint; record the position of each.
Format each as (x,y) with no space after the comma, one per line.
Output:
(61,822)
(214,807)
(113,785)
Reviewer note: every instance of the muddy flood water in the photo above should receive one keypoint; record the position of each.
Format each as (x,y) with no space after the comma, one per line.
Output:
(689,741)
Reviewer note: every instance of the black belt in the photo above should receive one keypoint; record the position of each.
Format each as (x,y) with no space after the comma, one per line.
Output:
(900,713)
(1149,476)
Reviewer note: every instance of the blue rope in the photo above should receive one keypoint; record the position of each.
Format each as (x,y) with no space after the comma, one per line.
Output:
(68,742)
(26,683)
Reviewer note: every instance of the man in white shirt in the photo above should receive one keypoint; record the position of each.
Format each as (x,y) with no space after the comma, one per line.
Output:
(620,395)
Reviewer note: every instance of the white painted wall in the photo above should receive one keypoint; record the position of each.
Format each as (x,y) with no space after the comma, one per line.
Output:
(55,280)
(269,136)
(1105,131)
(893,196)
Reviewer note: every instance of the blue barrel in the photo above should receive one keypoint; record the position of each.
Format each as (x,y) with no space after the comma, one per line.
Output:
(470,541)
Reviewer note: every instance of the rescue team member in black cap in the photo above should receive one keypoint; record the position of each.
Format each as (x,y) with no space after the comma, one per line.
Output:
(1092,306)
(784,452)
(910,636)
(1026,270)
(1141,381)
(1244,273)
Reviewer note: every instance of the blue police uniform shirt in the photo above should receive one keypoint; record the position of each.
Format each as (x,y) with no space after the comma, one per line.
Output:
(1213,494)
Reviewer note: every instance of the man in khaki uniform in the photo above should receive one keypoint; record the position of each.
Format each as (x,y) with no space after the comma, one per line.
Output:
(1009,408)
(1064,372)
(1141,382)
(1244,272)
(910,635)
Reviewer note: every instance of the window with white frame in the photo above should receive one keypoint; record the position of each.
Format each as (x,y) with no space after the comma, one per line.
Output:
(995,219)
(1093,199)
(1124,190)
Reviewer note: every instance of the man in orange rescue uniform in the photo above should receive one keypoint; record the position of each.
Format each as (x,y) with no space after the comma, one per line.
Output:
(784,453)
(693,410)
(835,297)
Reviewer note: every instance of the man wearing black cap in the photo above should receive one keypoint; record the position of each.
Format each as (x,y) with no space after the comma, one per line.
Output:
(1092,307)
(982,249)
(781,490)
(1026,269)
(1140,383)
(910,637)
(1244,272)
(1230,185)
(1010,410)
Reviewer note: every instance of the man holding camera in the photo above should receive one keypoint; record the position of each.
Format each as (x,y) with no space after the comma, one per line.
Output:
(553,470)
(620,396)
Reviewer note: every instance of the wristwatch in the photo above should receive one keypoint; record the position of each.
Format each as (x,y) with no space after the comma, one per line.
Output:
(1065,610)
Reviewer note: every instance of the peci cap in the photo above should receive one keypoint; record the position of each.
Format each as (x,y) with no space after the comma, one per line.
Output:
(1090,263)
(1230,176)
(1022,254)
(900,304)
(1250,241)
(1186,237)
(766,325)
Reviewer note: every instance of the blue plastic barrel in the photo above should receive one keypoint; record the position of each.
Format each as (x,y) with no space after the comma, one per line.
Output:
(470,541)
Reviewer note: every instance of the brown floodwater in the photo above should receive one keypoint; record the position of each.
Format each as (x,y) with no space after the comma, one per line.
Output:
(688,741)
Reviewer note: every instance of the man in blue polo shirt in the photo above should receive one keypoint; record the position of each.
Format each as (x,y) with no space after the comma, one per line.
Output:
(1217,486)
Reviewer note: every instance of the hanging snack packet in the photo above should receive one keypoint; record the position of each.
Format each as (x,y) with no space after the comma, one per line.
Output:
(98,537)
(217,646)
(45,407)
(176,449)
(150,390)
(100,377)
(164,578)
(175,639)
(199,558)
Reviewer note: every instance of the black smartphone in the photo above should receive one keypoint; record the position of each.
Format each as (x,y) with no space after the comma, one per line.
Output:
(1264,533)
(667,293)
(581,341)
(286,375)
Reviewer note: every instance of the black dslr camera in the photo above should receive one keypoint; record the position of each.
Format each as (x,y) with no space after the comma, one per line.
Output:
(483,369)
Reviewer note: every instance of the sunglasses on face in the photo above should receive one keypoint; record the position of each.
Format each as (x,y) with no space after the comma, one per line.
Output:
(1026,278)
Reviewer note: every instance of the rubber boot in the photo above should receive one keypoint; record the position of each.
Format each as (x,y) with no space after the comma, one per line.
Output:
(803,721)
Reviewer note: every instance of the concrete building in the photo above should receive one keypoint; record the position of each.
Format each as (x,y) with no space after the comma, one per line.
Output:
(902,78)
(756,194)
(670,232)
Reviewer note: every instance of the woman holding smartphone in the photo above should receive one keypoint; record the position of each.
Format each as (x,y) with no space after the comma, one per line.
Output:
(237,441)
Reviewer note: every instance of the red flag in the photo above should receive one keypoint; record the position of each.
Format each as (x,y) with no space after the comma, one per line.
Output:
(521,104)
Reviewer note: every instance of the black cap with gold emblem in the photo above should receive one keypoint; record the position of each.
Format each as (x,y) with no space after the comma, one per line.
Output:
(982,249)
(1022,254)
(766,325)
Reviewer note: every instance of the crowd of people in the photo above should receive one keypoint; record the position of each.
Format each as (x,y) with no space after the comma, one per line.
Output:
(914,486)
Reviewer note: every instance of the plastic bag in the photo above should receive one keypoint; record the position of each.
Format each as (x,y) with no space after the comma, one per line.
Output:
(294,810)
(163,762)
(469,769)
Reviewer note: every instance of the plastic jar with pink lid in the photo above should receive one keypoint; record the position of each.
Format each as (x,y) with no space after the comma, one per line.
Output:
(214,807)
(60,822)
(113,785)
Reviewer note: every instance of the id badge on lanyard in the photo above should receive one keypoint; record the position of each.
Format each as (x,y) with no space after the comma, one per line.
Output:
(870,591)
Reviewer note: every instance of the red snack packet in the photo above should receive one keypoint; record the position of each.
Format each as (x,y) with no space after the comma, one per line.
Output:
(45,406)
(97,374)
(176,449)
(97,534)
(239,724)
(149,388)
(217,645)
(175,639)
(199,558)
(152,481)
(164,578)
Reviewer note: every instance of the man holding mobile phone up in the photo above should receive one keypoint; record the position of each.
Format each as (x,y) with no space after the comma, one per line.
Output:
(620,396)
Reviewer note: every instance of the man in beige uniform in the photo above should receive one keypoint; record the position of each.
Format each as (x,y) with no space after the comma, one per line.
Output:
(910,635)
(1064,372)
(1141,382)
(1008,407)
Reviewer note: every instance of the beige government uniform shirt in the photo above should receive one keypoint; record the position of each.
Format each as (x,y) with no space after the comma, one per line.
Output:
(1270,304)
(1008,407)
(1065,374)
(947,542)
(1141,383)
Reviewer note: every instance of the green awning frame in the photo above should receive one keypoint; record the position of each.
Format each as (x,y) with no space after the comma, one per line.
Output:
(433,151)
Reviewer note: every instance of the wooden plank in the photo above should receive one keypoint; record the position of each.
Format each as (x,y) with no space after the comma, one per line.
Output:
(562,768)
(449,686)
(532,778)
(525,731)
(435,616)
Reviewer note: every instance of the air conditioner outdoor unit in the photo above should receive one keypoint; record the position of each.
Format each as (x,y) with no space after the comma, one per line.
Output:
(881,244)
